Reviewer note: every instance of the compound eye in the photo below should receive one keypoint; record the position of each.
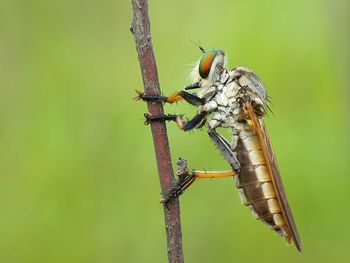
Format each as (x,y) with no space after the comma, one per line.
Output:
(206,62)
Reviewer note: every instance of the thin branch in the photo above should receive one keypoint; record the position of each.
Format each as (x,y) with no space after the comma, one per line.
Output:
(141,29)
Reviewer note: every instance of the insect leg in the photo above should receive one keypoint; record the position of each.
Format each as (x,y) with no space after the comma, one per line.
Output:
(184,95)
(189,178)
(196,122)
(213,174)
(165,117)
(191,98)
(175,97)
(183,183)
(196,85)
(224,147)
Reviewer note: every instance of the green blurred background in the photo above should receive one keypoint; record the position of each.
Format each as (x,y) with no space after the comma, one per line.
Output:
(78,175)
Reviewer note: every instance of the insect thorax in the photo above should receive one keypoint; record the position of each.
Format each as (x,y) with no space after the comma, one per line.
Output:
(225,97)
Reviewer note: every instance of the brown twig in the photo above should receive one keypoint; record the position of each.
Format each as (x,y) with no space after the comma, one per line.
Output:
(141,29)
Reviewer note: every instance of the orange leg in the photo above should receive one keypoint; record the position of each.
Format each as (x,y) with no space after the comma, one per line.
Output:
(187,179)
(175,97)
(213,174)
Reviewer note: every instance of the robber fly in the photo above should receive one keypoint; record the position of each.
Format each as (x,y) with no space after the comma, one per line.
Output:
(236,99)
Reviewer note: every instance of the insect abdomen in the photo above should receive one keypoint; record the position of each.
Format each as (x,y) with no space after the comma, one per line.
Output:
(255,186)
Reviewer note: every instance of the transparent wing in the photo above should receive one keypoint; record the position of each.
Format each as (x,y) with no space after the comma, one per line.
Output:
(249,79)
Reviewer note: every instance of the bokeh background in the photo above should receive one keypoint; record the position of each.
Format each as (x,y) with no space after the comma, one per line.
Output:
(78,177)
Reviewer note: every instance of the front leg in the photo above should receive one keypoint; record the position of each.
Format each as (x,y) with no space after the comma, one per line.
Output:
(175,97)
(196,122)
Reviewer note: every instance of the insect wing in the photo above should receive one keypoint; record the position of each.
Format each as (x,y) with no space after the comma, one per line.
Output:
(248,78)
(272,165)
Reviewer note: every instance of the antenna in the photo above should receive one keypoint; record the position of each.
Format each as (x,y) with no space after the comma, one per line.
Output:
(200,47)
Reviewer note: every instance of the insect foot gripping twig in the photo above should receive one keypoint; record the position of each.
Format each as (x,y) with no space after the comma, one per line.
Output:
(185,179)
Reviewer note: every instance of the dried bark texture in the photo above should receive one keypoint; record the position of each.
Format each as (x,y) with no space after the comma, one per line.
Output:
(141,29)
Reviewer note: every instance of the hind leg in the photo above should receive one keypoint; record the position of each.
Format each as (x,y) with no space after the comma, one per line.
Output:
(187,178)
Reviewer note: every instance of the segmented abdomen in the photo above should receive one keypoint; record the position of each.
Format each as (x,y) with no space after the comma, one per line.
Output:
(255,186)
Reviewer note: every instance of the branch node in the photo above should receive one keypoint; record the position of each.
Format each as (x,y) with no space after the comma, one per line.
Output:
(182,169)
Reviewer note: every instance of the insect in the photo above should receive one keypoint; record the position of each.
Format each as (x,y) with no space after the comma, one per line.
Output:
(236,99)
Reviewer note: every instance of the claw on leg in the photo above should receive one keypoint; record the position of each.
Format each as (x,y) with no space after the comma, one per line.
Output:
(175,97)
(138,95)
